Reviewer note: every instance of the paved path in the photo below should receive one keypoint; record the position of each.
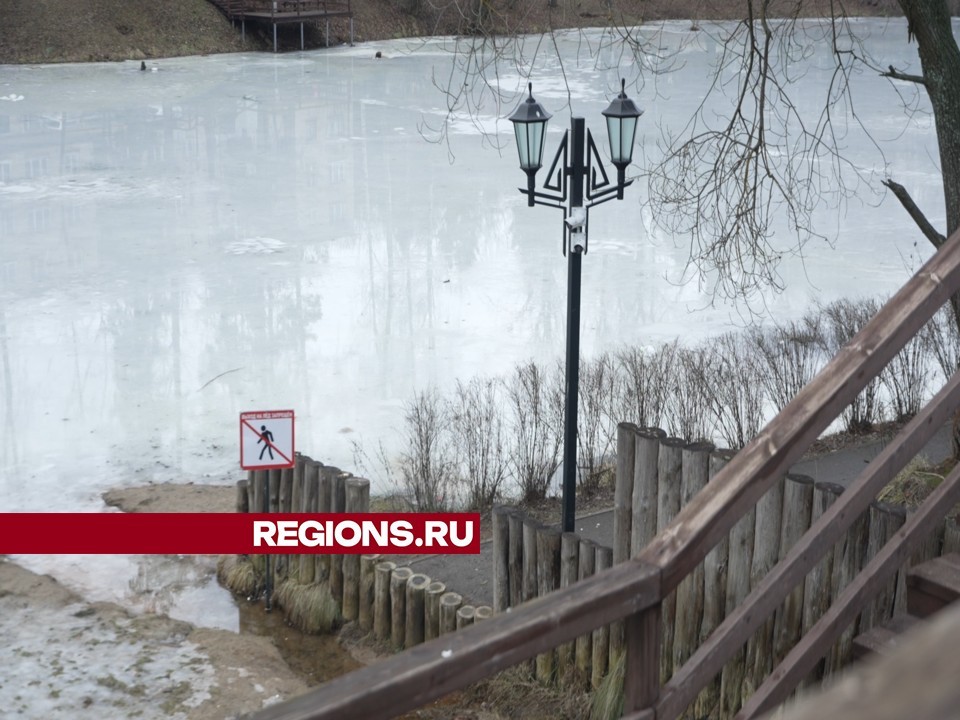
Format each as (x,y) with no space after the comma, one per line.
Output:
(471,575)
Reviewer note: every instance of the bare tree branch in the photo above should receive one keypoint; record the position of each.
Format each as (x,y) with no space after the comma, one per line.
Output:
(892,72)
(918,217)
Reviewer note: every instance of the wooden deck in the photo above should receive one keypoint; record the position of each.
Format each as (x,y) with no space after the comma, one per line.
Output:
(285,12)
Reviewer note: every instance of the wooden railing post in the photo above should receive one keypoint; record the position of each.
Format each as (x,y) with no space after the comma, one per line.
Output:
(641,680)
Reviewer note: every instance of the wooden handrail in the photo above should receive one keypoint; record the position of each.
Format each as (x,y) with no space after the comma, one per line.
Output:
(742,622)
(425,672)
(802,658)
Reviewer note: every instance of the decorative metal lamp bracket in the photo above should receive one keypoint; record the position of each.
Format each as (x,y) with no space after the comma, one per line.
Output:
(599,190)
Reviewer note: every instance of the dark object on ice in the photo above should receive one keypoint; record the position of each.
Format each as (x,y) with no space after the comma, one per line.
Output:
(143,65)
(378,55)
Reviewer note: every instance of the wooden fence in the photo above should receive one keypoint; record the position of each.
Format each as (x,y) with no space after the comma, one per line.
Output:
(725,577)
(393,602)
(637,590)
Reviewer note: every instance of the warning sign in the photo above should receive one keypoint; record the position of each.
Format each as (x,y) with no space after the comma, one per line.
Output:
(266,440)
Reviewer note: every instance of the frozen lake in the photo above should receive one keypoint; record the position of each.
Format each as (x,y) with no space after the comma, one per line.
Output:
(250,232)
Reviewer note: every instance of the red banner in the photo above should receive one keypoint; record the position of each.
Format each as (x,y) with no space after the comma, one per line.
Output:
(238,534)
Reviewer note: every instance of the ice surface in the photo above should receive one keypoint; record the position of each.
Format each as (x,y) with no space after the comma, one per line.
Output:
(250,232)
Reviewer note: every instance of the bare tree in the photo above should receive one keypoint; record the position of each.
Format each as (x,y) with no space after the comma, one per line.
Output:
(596,421)
(427,465)
(733,386)
(689,406)
(844,319)
(789,354)
(476,423)
(645,383)
(535,399)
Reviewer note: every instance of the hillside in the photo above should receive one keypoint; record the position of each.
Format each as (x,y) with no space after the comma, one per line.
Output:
(37,31)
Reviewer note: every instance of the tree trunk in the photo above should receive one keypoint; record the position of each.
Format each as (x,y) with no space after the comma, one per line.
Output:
(929,22)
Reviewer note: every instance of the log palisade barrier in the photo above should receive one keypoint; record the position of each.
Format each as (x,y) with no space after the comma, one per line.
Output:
(734,507)
(394,604)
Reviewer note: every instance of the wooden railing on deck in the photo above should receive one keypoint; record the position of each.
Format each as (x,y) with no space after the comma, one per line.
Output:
(634,590)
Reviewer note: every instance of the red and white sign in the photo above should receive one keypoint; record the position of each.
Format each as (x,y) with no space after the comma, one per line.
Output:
(266,440)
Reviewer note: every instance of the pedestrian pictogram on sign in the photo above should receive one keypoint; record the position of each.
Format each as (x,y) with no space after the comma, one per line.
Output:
(266,440)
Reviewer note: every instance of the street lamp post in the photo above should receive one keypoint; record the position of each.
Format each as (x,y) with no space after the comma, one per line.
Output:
(575,182)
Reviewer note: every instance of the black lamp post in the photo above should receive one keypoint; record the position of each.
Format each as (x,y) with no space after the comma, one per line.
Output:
(575,182)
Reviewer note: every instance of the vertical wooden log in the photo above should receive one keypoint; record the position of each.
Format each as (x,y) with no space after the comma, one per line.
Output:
(623,492)
(816,588)
(529,558)
(584,648)
(707,704)
(501,558)
(881,607)
(252,491)
(738,587)
(382,612)
(398,605)
(274,480)
(515,558)
(642,672)
(285,562)
(569,564)
(797,512)
(600,651)
(338,504)
(482,612)
(849,557)
(357,493)
(622,514)
(896,518)
(465,616)
(695,470)
(951,536)
(766,551)
(548,580)
(324,479)
(368,572)
(308,504)
(415,609)
(431,614)
(243,502)
(276,563)
(286,490)
(669,470)
(847,561)
(645,482)
(296,492)
(450,603)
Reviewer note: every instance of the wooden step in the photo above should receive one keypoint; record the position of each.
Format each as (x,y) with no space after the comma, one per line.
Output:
(883,638)
(933,585)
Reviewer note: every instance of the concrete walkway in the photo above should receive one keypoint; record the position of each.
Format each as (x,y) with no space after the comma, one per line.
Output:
(471,575)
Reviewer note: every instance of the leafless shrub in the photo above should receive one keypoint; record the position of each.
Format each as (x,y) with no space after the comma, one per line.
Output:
(733,386)
(536,409)
(596,421)
(689,406)
(842,320)
(905,379)
(787,356)
(645,383)
(427,466)
(476,424)
(942,340)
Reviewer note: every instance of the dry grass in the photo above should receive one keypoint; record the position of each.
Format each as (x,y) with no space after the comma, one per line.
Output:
(607,702)
(237,573)
(915,482)
(309,608)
